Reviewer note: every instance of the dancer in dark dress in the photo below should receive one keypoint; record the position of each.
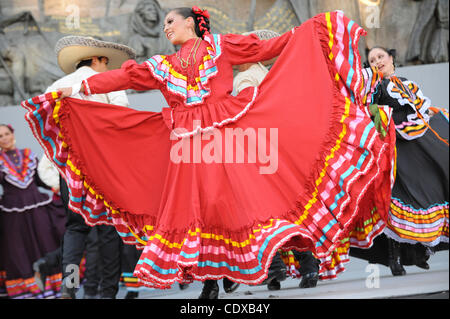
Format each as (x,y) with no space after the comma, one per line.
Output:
(31,223)
(417,223)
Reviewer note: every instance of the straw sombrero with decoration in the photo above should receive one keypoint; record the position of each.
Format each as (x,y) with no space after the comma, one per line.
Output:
(264,35)
(71,50)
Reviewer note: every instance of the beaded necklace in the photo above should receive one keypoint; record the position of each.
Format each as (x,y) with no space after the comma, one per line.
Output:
(192,54)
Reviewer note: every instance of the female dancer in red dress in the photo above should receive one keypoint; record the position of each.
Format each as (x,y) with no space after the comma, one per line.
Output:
(214,185)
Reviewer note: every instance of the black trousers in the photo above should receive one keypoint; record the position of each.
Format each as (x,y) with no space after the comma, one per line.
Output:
(74,244)
(308,263)
(91,281)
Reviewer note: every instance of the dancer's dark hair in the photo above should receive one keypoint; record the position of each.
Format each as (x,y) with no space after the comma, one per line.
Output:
(201,19)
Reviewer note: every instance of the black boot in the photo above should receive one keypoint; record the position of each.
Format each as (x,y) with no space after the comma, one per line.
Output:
(229,286)
(132,295)
(277,270)
(274,285)
(309,269)
(423,264)
(394,258)
(309,280)
(183,286)
(40,273)
(210,290)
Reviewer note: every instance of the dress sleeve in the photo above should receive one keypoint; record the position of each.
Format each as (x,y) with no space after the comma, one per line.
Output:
(409,106)
(242,49)
(413,122)
(130,76)
(38,179)
(370,93)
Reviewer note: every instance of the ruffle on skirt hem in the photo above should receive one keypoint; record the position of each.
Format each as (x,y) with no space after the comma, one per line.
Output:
(28,289)
(429,226)
(334,264)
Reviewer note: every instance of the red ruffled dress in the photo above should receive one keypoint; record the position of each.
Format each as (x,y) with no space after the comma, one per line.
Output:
(214,185)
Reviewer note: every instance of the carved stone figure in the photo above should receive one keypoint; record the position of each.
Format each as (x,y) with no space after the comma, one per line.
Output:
(418,29)
(27,61)
(146,34)
(306,9)
(430,36)
(12,76)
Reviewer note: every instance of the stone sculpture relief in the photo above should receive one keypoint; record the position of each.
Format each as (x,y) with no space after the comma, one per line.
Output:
(430,38)
(146,34)
(418,29)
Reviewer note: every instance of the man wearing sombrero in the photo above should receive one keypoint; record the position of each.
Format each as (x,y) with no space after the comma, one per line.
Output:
(81,57)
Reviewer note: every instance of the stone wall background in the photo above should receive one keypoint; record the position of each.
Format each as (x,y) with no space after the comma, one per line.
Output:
(418,29)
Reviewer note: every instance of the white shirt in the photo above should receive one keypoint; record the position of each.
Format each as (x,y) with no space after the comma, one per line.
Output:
(46,170)
(75,78)
(48,173)
(253,76)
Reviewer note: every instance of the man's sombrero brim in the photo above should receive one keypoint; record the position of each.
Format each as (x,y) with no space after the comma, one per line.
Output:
(72,50)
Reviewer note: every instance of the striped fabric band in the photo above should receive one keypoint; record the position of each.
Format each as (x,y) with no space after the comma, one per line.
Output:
(409,95)
(23,177)
(426,226)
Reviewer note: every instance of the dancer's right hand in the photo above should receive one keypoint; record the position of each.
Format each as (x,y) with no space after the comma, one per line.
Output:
(65,92)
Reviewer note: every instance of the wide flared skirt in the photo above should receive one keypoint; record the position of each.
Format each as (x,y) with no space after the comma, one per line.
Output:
(419,207)
(304,169)
(418,216)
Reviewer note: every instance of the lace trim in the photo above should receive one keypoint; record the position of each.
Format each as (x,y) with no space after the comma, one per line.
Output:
(199,129)
(25,208)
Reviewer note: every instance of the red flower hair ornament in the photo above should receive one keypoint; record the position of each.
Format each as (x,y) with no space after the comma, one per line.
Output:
(201,16)
(201,12)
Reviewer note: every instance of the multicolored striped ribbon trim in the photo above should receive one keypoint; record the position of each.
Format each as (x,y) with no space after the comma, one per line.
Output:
(177,83)
(426,226)
(20,177)
(131,283)
(409,95)
(27,288)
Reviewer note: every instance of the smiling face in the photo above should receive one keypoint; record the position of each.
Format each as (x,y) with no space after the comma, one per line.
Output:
(7,140)
(178,29)
(382,60)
